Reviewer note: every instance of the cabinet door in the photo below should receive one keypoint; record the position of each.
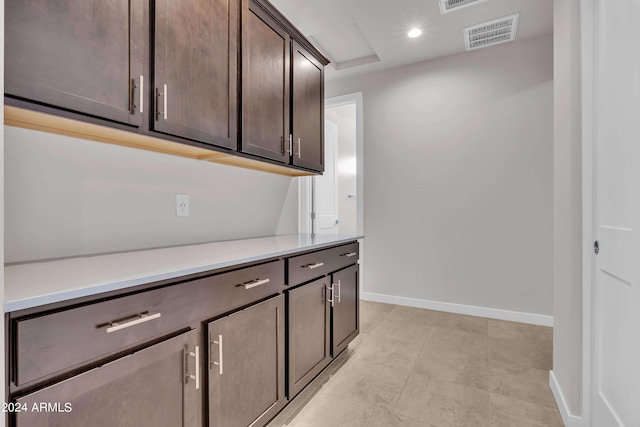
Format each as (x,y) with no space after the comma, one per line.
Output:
(345,315)
(309,333)
(265,85)
(308,110)
(80,55)
(246,365)
(195,64)
(149,388)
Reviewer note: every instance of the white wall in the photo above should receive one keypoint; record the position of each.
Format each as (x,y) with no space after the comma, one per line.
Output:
(459,180)
(67,197)
(567,241)
(2,378)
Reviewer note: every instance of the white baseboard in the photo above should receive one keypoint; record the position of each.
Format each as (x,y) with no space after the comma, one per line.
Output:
(493,313)
(568,418)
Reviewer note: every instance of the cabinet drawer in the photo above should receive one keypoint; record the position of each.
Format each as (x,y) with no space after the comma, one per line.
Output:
(315,264)
(58,341)
(228,291)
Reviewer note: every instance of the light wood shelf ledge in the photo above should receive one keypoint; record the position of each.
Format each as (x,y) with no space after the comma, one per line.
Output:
(28,119)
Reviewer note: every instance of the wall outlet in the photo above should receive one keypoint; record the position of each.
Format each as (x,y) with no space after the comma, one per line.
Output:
(182,204)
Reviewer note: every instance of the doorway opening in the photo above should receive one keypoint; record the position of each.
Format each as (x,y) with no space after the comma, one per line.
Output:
(332,203)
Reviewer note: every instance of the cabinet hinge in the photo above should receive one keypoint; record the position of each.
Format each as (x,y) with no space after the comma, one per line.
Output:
(132,97)
(287,146)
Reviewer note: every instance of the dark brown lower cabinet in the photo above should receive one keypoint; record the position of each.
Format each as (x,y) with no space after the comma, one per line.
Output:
(246,365)
(323,320)
(309,333)
(151,387)
(135,360)
(344,320)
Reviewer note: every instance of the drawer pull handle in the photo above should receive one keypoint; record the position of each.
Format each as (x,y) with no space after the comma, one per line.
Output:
(350,254)
(339,289)
(314,265)
(219,362)
(141,318)
(254,283)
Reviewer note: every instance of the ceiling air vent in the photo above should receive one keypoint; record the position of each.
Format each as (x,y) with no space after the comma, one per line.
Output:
(493,32)
(447,6)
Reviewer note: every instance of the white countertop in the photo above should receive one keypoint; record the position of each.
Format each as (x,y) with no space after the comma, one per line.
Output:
(34,284)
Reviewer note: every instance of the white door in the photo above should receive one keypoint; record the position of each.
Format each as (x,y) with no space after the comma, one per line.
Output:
(616,287)
(326,186)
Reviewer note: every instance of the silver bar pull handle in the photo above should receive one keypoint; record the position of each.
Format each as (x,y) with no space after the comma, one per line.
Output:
(219,362)
(165,102)
(314,265)
(141,318)
(332,299)
(254,283)
(141,101)
(339,289)
(299,148)
(349,254)
(197,367)
(196,377)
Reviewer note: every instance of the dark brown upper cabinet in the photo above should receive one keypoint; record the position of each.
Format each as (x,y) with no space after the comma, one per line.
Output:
(266,52)
(85,56)
(195,70)
(308,109)
(181,77)
(282,90)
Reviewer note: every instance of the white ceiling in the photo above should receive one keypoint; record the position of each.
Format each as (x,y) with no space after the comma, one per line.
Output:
(361,36)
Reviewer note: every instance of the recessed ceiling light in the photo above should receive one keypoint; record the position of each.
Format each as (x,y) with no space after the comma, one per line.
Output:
(415,32)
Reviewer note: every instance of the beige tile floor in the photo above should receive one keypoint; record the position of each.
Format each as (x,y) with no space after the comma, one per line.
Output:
(415,367)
